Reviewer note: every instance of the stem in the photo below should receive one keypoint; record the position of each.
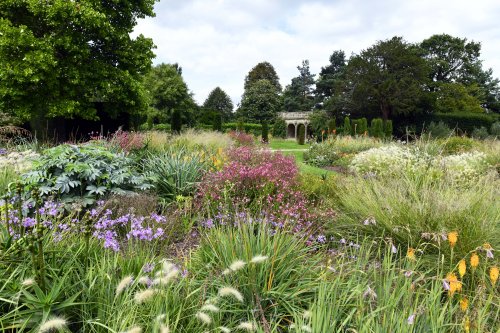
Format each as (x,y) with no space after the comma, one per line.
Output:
(41,261)
(7,215)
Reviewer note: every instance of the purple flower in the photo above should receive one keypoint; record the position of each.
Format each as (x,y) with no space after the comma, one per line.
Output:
(148,268)
(29,222)
(411,319)
(208,223)
(394,249)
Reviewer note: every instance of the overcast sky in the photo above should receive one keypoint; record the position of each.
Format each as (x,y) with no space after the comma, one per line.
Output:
(217,42)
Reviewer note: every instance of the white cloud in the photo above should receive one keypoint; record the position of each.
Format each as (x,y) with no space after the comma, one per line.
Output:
(218,41)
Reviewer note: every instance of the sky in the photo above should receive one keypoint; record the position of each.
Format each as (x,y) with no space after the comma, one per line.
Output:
(217,42)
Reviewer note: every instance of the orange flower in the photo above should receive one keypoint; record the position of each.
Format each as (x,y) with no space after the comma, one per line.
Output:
(453,238)
(464,303)
(410,254)
(467,325)
(462,267)
(494,274)
(474,260)
(454,284)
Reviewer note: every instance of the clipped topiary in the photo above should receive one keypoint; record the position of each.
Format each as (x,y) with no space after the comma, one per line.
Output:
(377,128)
(388,129)
(301,135)
(265,131)
(347,126)
(279,128)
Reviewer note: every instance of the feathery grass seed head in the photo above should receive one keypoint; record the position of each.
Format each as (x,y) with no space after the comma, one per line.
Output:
(203,317)
(124,283)
(259,259)
(144,295)
(28,282)
(54,323)
(135,329)
(164,329)
(247,326)
(210,308)
(224,329)
(229,291)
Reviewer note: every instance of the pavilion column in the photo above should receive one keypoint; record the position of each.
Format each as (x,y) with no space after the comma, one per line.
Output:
(305,132)
(295,130)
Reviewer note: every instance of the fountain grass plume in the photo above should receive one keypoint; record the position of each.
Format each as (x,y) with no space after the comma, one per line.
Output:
(55,323)
(259,259)
(144,295)
(124,283)
(210,308)
(203,317)
(229,291)
(247,326)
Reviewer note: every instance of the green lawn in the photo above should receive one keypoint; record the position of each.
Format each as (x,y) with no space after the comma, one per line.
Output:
(291,147)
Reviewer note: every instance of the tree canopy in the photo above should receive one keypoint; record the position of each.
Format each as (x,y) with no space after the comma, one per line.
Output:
(261,102)
(263,71)
(387,77)
(220,102)
(62,58)
(298,96)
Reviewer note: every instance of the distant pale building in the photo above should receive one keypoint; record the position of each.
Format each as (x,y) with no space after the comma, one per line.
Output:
(294,120)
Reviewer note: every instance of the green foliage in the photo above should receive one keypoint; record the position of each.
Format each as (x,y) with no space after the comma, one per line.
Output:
(218,123)
(458,144)
(176,121)
(50,68)
(265,132)
(279,128)
(388,129)
(455,97)
(255,129)
(263,71)
(83,173)
(301,136)
(465,121)
(332,126)
(318,122)
(220,102)
(260,102)
(387,78)
(8,175)
(346,130)
(298,96)
(175,172)
(495,129)
(480,133)
(359,126)
(377,128)
(438,130)
(330,80)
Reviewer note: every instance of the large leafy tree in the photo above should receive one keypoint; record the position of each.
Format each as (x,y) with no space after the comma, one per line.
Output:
(69,58)
(261,102)
(331,93)
(387,78)
(168,93)
(219,103)
(263,71)
(298,96)
(456,60)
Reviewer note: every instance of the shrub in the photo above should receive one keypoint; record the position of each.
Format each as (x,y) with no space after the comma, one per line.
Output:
(332,126)
(265,132)
(321,154)
(128,141)
(217,126)
(162,127)
(347,126)
(83,173)
(458,144)
(438,130)
(480,133)
(495,129)
(176,121)
(242,139)
(465,121)
(279,128)
(255,129)
(388,129)
(377,128)
(301,136)
(176,172)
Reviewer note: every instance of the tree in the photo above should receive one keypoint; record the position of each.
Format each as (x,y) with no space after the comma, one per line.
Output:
(260,102)
(318,123)
(220,102)
(387,78)
(263,71)
(298,96)
(167,91)
(455,97)
(331,77)
(67,59)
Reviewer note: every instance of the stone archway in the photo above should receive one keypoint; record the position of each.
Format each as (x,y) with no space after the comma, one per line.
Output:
(290,131)
(293,120)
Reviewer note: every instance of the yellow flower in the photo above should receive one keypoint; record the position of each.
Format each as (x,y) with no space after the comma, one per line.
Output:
(464,303)
(474,260)
(494,274)
(453,238)
(462,267)
(410,254)
(467,325)
(454,284)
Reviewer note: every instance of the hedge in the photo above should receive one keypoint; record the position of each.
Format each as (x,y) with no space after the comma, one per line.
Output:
(255,129)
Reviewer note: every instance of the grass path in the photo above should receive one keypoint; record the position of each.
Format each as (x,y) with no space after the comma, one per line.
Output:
(291,147)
